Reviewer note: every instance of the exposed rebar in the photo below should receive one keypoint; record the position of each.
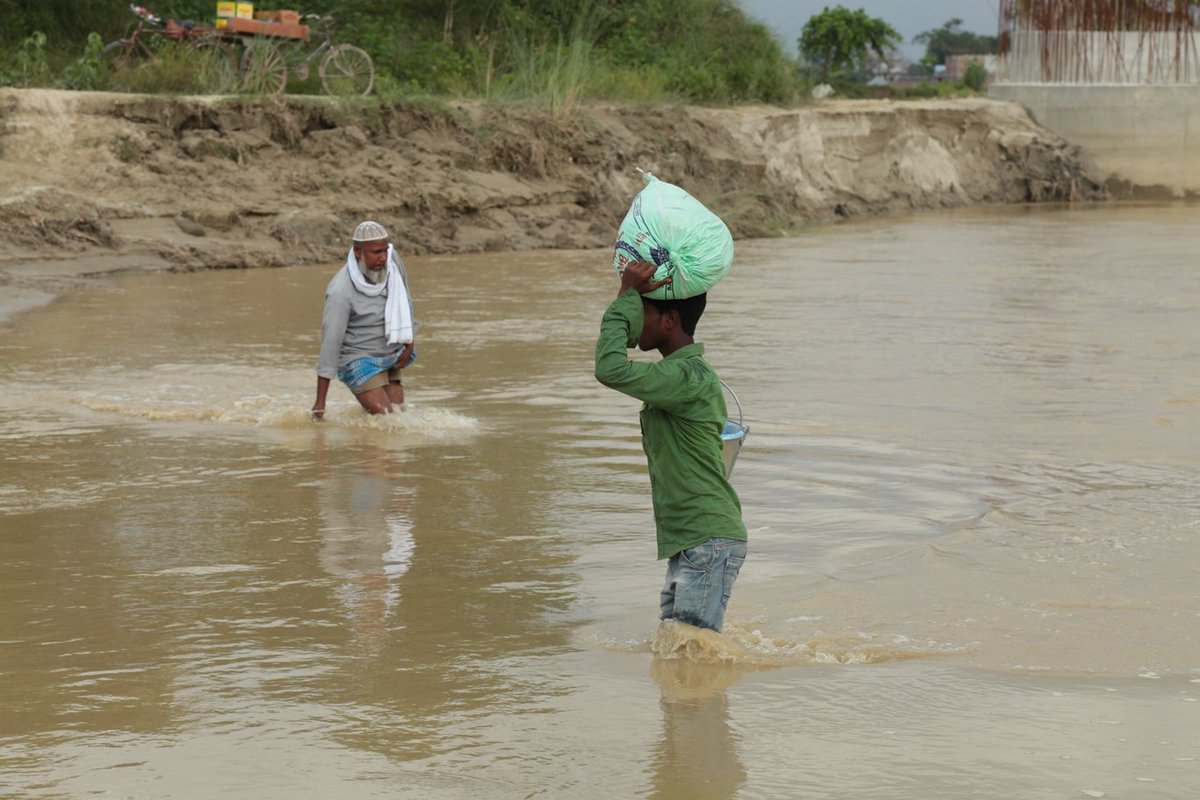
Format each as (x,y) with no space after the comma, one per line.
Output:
(1099,41)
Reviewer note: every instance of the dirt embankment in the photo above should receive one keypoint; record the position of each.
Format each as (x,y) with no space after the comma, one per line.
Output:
(95,182)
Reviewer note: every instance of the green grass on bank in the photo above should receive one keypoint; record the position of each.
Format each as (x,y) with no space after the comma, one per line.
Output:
(555,54)
(921,91)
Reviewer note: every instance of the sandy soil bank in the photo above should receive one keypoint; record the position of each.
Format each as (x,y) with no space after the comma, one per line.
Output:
(92,183)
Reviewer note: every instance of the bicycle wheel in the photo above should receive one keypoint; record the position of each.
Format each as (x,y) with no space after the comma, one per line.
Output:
(264,69)
(347,70)
(121,53)
(218,68)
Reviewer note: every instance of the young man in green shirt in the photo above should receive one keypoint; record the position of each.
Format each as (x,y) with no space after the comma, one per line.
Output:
(697,514)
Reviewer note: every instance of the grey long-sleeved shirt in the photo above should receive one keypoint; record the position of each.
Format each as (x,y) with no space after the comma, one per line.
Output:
(352,324)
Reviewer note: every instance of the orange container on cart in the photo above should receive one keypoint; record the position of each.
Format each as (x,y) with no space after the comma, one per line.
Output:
(283,15)
(262,27)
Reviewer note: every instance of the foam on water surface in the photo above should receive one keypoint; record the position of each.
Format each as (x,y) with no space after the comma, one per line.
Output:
(274,411)
(745,645)
(228,394)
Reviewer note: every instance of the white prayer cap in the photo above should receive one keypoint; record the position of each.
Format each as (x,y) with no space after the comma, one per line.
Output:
(369,231)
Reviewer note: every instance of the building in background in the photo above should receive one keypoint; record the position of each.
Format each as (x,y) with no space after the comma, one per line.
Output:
(956,66)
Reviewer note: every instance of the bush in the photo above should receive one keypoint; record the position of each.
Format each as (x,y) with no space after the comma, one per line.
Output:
(611,82)
(922,91)
(975,77)
(89,72)
(31,60)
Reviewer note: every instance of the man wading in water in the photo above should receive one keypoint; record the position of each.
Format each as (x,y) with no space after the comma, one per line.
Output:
(367,327)
(697,514)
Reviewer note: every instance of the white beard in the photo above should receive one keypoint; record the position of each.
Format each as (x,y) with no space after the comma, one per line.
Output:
(375,276)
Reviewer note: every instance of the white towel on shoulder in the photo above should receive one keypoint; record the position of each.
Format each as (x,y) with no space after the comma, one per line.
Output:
(397,311)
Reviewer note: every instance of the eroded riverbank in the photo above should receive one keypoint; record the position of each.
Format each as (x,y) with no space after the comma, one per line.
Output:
(96,182)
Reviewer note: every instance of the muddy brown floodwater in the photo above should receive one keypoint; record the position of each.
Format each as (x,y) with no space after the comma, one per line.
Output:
(971,485)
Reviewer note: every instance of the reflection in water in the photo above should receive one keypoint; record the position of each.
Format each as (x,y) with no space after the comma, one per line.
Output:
(697,755)
(366,536)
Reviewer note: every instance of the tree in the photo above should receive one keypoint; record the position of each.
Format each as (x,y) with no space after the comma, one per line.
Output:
(839,40)
(952,40)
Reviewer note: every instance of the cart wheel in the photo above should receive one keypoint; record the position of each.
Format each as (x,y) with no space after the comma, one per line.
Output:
(264,69)
(219,70)
(347,70)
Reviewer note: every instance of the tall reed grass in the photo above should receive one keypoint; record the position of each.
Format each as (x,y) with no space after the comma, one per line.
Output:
(176,68)
(554,74)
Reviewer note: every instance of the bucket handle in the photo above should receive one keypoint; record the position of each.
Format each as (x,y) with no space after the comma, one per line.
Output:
(736,402)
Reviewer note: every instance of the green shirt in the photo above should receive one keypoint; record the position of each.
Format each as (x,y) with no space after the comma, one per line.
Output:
(682,420)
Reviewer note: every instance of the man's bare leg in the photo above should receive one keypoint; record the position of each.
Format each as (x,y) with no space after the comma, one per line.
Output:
(376,401)
(395,393)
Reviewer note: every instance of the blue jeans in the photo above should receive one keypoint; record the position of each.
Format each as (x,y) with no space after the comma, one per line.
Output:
(699,582)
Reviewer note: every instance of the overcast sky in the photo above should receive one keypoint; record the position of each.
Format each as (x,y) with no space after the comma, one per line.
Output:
(910,17)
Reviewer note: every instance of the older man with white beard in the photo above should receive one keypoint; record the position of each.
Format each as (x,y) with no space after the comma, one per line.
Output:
(367,327)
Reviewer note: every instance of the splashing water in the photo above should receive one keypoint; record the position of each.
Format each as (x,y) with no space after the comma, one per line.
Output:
(748,646)
(273,411)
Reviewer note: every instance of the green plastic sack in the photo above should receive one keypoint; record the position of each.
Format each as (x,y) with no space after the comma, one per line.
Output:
(669,228)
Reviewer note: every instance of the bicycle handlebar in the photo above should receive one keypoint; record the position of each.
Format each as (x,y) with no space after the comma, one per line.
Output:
(143,13)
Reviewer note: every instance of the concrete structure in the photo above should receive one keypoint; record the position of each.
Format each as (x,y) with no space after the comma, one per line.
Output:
(1141,139)
(1129,99)
(1135,58)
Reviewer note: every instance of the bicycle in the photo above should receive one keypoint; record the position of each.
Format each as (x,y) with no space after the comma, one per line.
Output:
(343,68)
(218,63)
